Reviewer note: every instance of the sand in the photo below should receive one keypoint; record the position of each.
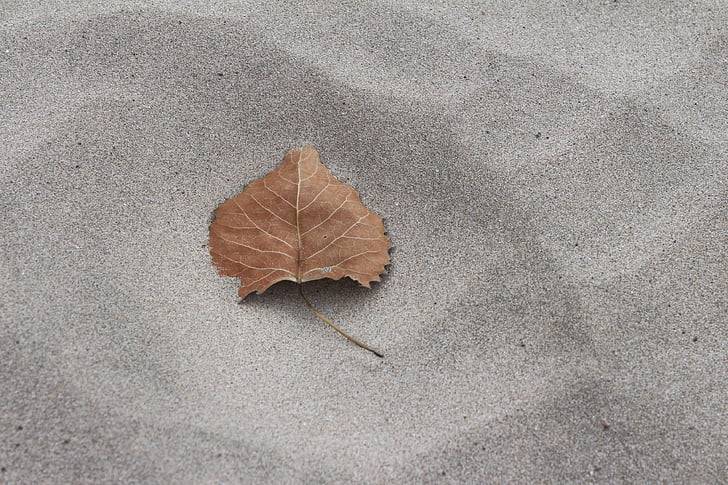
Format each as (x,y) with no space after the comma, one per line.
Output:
(553,179)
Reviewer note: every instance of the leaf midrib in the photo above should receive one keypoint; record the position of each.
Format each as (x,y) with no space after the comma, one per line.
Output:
(298,216)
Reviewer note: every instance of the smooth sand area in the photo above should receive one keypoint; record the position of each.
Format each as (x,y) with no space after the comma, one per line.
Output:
(553,179)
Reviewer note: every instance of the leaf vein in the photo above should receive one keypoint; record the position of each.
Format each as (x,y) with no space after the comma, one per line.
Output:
(256,249)
(270,211)
(330,215)
(338,237)
(314,199)
(260,228)
(252,267)
(265,184)
(338,265)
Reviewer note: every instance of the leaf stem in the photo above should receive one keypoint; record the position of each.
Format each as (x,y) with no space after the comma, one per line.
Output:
(332,325)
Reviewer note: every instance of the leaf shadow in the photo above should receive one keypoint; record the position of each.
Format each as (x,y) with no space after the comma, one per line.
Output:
(343,301)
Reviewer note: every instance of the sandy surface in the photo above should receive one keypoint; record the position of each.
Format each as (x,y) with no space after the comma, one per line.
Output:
(553,179)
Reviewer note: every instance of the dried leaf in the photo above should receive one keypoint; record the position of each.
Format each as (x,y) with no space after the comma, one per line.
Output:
(297,223)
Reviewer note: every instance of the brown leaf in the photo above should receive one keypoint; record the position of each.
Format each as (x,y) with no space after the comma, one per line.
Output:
(297,223)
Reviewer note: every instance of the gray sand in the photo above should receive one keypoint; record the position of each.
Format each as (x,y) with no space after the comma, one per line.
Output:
(553,179)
